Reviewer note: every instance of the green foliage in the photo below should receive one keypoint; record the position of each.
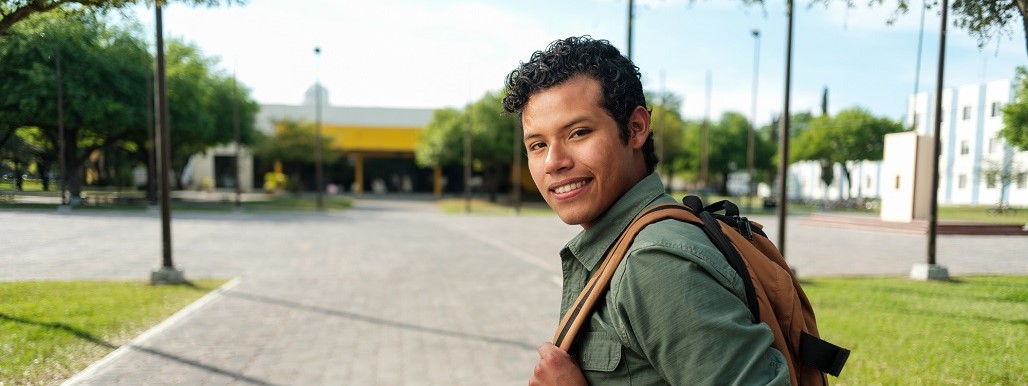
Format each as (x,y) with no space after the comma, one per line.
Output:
(727,147)
(967,332)
(51,330)
(984,20)
(669,132)
(492,135)
(15,11)
(1015,115)
(852,135)
(294,144)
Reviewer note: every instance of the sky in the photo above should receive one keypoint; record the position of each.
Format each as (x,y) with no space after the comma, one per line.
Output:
(446,53)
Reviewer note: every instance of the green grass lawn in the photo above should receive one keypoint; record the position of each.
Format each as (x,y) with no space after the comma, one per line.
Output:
(51,330)
(972,331)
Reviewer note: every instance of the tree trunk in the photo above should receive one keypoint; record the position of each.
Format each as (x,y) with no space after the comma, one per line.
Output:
(44,174)
(73,166)
(849,182)
(1022,6)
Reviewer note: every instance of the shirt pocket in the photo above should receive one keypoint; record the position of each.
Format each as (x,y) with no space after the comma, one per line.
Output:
(598,351)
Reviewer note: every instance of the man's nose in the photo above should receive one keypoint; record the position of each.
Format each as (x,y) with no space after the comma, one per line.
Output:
(557,159)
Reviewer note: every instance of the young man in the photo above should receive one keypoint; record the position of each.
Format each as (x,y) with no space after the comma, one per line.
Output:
(675,312)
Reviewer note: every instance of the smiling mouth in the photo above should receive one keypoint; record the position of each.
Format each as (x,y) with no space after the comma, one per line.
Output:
(571,186)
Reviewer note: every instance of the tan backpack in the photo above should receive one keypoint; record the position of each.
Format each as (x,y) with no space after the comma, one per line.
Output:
(773,294)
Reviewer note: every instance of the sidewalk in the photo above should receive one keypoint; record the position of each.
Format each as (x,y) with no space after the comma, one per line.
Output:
(389,293)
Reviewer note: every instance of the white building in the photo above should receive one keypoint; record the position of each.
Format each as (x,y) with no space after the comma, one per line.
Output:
(971,147)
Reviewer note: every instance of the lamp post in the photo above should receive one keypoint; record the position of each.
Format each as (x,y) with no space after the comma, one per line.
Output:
(751,140)
(783,137)
(631,14)
(235,134)
(166,274)
(319,177)
(931,271)
(60,126)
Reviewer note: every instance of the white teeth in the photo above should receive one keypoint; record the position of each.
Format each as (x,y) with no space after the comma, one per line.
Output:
(569,187)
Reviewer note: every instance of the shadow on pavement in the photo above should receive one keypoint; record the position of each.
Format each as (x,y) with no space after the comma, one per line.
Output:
(380,321)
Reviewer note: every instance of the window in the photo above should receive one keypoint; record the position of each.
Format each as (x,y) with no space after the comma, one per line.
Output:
(990,180)
(1022,180)
(966,115)
(996,109)
(962,181)
(992,145)
(869,182)
(964,147)
(897,182)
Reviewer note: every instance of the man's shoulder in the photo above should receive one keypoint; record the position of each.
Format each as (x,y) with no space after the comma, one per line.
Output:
(688,244)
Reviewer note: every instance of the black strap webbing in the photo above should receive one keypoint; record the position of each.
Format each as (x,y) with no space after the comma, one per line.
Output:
(822,355)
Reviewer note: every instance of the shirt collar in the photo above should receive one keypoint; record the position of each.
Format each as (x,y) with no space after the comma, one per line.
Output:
(591,244)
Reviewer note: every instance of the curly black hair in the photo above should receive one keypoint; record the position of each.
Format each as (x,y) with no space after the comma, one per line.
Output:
(582,55)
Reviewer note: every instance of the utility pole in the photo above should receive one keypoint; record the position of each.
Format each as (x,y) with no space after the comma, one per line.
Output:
(515,185)
(931,271)
(705,141)
(751,138)
(235,134)
(166,274)
(631,14)
(319,177)
(60,126)
(467,161)
(783,138)
(917,70)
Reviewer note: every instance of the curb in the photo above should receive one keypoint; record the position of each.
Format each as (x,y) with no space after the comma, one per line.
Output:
(146,335)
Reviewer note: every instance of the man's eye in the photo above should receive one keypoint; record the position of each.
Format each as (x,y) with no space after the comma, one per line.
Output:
(580,132)
(536,146)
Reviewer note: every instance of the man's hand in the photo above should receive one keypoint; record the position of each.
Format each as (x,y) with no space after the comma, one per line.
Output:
(555,367)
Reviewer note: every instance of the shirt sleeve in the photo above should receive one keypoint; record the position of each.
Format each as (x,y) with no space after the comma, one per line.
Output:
(672,310)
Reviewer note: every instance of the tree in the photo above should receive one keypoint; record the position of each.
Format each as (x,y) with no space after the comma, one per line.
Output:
(14,11)
(983,19)
(1000,175)
(852,135)
(200,104)
(492,138)
(728,137)
(669,134)
(103,74)
(293,144)
(1015,115)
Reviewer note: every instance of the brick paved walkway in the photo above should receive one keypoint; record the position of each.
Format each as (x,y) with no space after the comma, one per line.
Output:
(389,293)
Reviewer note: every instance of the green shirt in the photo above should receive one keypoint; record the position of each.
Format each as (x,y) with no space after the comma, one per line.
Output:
(675,312)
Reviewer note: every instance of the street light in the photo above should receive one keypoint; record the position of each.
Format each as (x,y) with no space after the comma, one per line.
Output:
(750,142)
(319,178)
(783,137)
(166,274)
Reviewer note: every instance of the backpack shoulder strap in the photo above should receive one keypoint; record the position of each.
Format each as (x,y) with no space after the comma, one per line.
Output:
(598,284)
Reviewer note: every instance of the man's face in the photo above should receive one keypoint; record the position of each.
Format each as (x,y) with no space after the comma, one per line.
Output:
(575,152)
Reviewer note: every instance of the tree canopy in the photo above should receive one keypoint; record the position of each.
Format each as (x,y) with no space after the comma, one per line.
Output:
(1015,115)
(15,11)
(106,80)
(853,134)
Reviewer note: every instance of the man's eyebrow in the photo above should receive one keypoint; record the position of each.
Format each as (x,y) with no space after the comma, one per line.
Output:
(569,125)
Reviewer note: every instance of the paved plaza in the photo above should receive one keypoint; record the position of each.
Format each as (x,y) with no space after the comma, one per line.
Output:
(389,293)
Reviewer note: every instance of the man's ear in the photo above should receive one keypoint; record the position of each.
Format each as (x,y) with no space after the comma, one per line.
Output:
(638,127)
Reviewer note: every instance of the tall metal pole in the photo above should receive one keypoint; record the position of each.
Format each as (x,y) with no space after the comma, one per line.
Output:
(467,161)
(783,138)
(751,138)
(515,186)
(151,147)
(917,71)
(933,219)
(167,272)
(319,177)
(60,126)
(705,139)
(631,14)
(235,134)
